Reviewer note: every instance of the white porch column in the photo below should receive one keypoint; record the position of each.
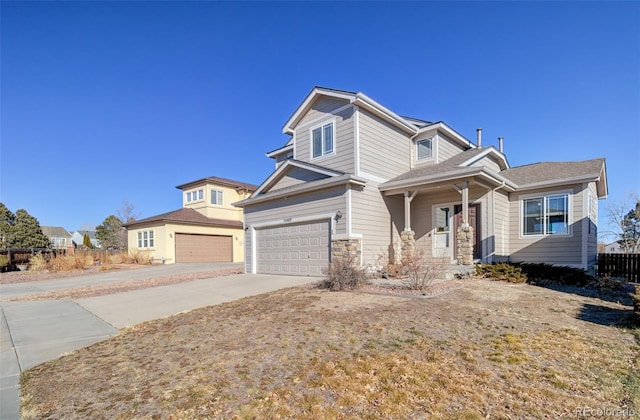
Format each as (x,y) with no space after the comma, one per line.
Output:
(465,203)
(408,198)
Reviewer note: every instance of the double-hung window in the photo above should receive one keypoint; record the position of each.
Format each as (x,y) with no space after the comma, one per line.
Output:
(216,197)
(322,140)
(546,215)
(145,239)
(195,195)
(425,149)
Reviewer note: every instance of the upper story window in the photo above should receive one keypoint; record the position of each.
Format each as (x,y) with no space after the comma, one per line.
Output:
(425,149)
(546,215)
(216,197)
(145,239)
(194,195)
(322,140)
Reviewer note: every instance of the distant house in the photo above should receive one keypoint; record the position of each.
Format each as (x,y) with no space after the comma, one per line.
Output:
(357,179)
(206,229)
(78,238)
(58,236)
(613,248)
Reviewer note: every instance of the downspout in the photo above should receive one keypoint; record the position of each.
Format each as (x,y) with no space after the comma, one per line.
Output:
(492,255)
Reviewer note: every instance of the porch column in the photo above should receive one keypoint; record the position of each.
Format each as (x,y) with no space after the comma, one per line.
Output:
(408,198)
(465,204)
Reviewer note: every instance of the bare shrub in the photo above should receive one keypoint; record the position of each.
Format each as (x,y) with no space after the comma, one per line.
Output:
(37,263)
(133,256)
(344,274)
(59,263)
(420,273)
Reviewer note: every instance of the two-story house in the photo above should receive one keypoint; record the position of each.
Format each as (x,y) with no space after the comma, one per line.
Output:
(208,228)
(357,178)
(59,237)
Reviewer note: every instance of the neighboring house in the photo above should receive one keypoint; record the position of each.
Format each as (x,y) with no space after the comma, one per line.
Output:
(357,179)
(207,229)
(78,238)
(613,248)
(59,237)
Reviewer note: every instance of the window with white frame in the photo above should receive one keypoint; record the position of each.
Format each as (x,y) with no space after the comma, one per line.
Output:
(145,239)
(424,148)
(322,140)
(546,215)
(194,195)
(216,197)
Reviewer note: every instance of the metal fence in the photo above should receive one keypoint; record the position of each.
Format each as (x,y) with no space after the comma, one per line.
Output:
(620,265)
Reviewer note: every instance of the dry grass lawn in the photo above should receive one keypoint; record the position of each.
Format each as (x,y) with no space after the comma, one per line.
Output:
(487,350)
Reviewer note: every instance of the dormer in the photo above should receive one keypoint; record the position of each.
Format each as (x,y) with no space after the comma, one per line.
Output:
(435,143)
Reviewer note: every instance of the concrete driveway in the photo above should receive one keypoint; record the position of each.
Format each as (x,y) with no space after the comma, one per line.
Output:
(35,332)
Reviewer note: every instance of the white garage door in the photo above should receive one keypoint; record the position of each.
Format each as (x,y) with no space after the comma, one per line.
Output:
(297,249)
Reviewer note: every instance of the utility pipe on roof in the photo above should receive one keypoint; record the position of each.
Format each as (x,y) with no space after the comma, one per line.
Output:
(500,144)
(479,137)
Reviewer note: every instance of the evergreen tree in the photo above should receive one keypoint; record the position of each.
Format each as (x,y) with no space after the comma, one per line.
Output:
(86,241)
(7,222)
(630,236)
(111,233)
(27,232)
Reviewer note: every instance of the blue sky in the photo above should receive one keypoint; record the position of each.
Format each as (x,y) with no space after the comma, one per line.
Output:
(103,102)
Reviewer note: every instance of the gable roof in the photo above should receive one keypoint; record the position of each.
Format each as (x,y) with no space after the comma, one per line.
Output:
(359,99)
(543,174)
(186,216)
(456,167)
(286,166)
(225,182)
(55,231)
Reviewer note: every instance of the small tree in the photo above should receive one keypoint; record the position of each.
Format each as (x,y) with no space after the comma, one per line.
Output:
(111,233)
(86,241)
(7,222)
(625,216)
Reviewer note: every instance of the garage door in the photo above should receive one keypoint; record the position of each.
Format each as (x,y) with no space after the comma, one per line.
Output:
(298,249)
(203,248)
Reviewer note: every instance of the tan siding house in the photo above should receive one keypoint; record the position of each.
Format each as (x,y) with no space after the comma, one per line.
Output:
(356,179)
(208,228)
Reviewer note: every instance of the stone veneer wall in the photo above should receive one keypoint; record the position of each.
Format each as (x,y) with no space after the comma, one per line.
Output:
(465,239)
(408,244)
(346,248)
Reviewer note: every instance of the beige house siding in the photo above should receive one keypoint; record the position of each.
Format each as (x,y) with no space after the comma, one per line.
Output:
(501,223)
(552,249)
(591,222)
(384,150)
(164,240)
(488,162)
(296,176)
(324,111)
(291,210)
(447,148)
(225,211)
(371,218)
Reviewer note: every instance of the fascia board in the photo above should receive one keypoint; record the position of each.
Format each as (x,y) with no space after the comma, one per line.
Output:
(303,189)
(278,173)
(558,182)
(306,104)
(451,175)
(363,101)
(276,152)
(441,126)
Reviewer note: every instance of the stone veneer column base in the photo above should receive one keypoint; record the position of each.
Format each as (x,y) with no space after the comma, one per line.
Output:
(347,248)
(464,237)
(408,245)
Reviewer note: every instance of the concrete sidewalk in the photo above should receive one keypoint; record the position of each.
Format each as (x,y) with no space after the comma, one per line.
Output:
(34,332)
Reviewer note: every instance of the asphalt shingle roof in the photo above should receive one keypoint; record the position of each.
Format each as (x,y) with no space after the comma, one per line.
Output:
(187,216)
(552,171)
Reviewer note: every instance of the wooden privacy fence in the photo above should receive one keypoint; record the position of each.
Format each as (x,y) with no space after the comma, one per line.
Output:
(620,265)
(21,256)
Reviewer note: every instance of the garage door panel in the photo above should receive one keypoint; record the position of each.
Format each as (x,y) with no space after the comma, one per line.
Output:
(298,249)
(192,248)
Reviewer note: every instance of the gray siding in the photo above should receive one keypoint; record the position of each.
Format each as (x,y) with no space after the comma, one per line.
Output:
(384,150)
(295,176)
(552,249)
(501,224)
(447,148)
(488,162)
(323,111)
(371,217)
(322,202)
(592,225)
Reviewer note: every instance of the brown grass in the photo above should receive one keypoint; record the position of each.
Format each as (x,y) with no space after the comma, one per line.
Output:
(487,350)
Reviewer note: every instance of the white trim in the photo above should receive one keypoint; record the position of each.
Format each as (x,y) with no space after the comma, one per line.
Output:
(281,150)
(374,178)
(326,116)
(433,157)
(544,195)
(303,108)
(449,131)
(284,222)
(434,233)
(298,164)
(321,126)
(490,151)
(586,220)
(356,148)
(363,101)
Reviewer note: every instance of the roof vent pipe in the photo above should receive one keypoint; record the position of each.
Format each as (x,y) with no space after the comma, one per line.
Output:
(479,141)
(500,144)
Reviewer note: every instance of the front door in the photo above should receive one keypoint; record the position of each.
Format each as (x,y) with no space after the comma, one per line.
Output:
(443,237)
(474,222)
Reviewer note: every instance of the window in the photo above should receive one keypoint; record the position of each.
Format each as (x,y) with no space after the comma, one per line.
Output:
(547,215)
(322,138)
(195,195)
(216,197)
(442,219)
(425,148)
(145,239)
